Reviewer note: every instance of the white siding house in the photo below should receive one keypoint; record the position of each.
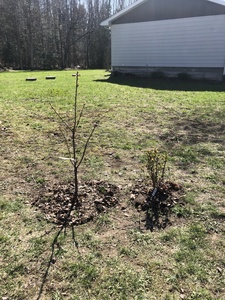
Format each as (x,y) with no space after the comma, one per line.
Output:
(188,37)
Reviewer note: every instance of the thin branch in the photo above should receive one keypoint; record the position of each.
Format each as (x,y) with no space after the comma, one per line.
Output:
(74,129)
(80,116)
(79,38)
(60,117)
(75,99)
(86,145)
(66,142)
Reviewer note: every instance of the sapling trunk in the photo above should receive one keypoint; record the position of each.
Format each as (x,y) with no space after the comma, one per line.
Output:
(76,162)
(73,147)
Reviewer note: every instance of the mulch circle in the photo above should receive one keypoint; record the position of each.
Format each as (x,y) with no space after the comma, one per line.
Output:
(95,197)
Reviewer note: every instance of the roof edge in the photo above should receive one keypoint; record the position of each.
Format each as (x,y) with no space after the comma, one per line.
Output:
(107,22)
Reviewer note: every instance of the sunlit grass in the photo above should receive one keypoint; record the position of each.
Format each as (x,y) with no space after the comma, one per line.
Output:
(112,258)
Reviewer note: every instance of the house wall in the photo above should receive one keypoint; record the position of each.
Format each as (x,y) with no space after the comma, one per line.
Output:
(197,42)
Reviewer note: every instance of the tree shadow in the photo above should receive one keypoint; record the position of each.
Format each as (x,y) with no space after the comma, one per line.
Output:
(170,84)
(193,131)
(158,210)
(156,206)
(54,246)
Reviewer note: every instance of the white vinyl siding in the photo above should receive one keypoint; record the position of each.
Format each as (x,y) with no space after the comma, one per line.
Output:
(187,42)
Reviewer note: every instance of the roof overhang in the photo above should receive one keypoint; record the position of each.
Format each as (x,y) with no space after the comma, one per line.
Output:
(108,22)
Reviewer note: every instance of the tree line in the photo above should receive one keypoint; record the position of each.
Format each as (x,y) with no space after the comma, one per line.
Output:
(50,34)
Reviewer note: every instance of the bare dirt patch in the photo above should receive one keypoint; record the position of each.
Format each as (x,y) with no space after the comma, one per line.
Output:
(97,197)
(156,206)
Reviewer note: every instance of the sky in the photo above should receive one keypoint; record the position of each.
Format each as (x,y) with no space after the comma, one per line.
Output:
(219,1)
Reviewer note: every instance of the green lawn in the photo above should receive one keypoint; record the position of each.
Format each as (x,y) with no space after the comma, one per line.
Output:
(113,258)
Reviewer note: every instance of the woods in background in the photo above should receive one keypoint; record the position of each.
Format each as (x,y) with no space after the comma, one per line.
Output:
(50,34)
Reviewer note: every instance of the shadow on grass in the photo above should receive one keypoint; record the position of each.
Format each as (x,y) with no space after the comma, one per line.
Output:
(170,84)
(51,260)
(194,131)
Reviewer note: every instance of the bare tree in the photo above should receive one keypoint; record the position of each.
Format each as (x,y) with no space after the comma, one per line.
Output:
(72,142)
(47,34)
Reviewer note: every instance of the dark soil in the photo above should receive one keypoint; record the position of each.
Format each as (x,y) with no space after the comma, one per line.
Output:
(96,197)
(158,204)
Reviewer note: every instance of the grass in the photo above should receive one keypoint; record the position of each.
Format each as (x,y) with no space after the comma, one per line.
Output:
(112,258)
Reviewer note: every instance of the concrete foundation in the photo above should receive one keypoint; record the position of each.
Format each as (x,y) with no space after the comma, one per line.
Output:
(216,74)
